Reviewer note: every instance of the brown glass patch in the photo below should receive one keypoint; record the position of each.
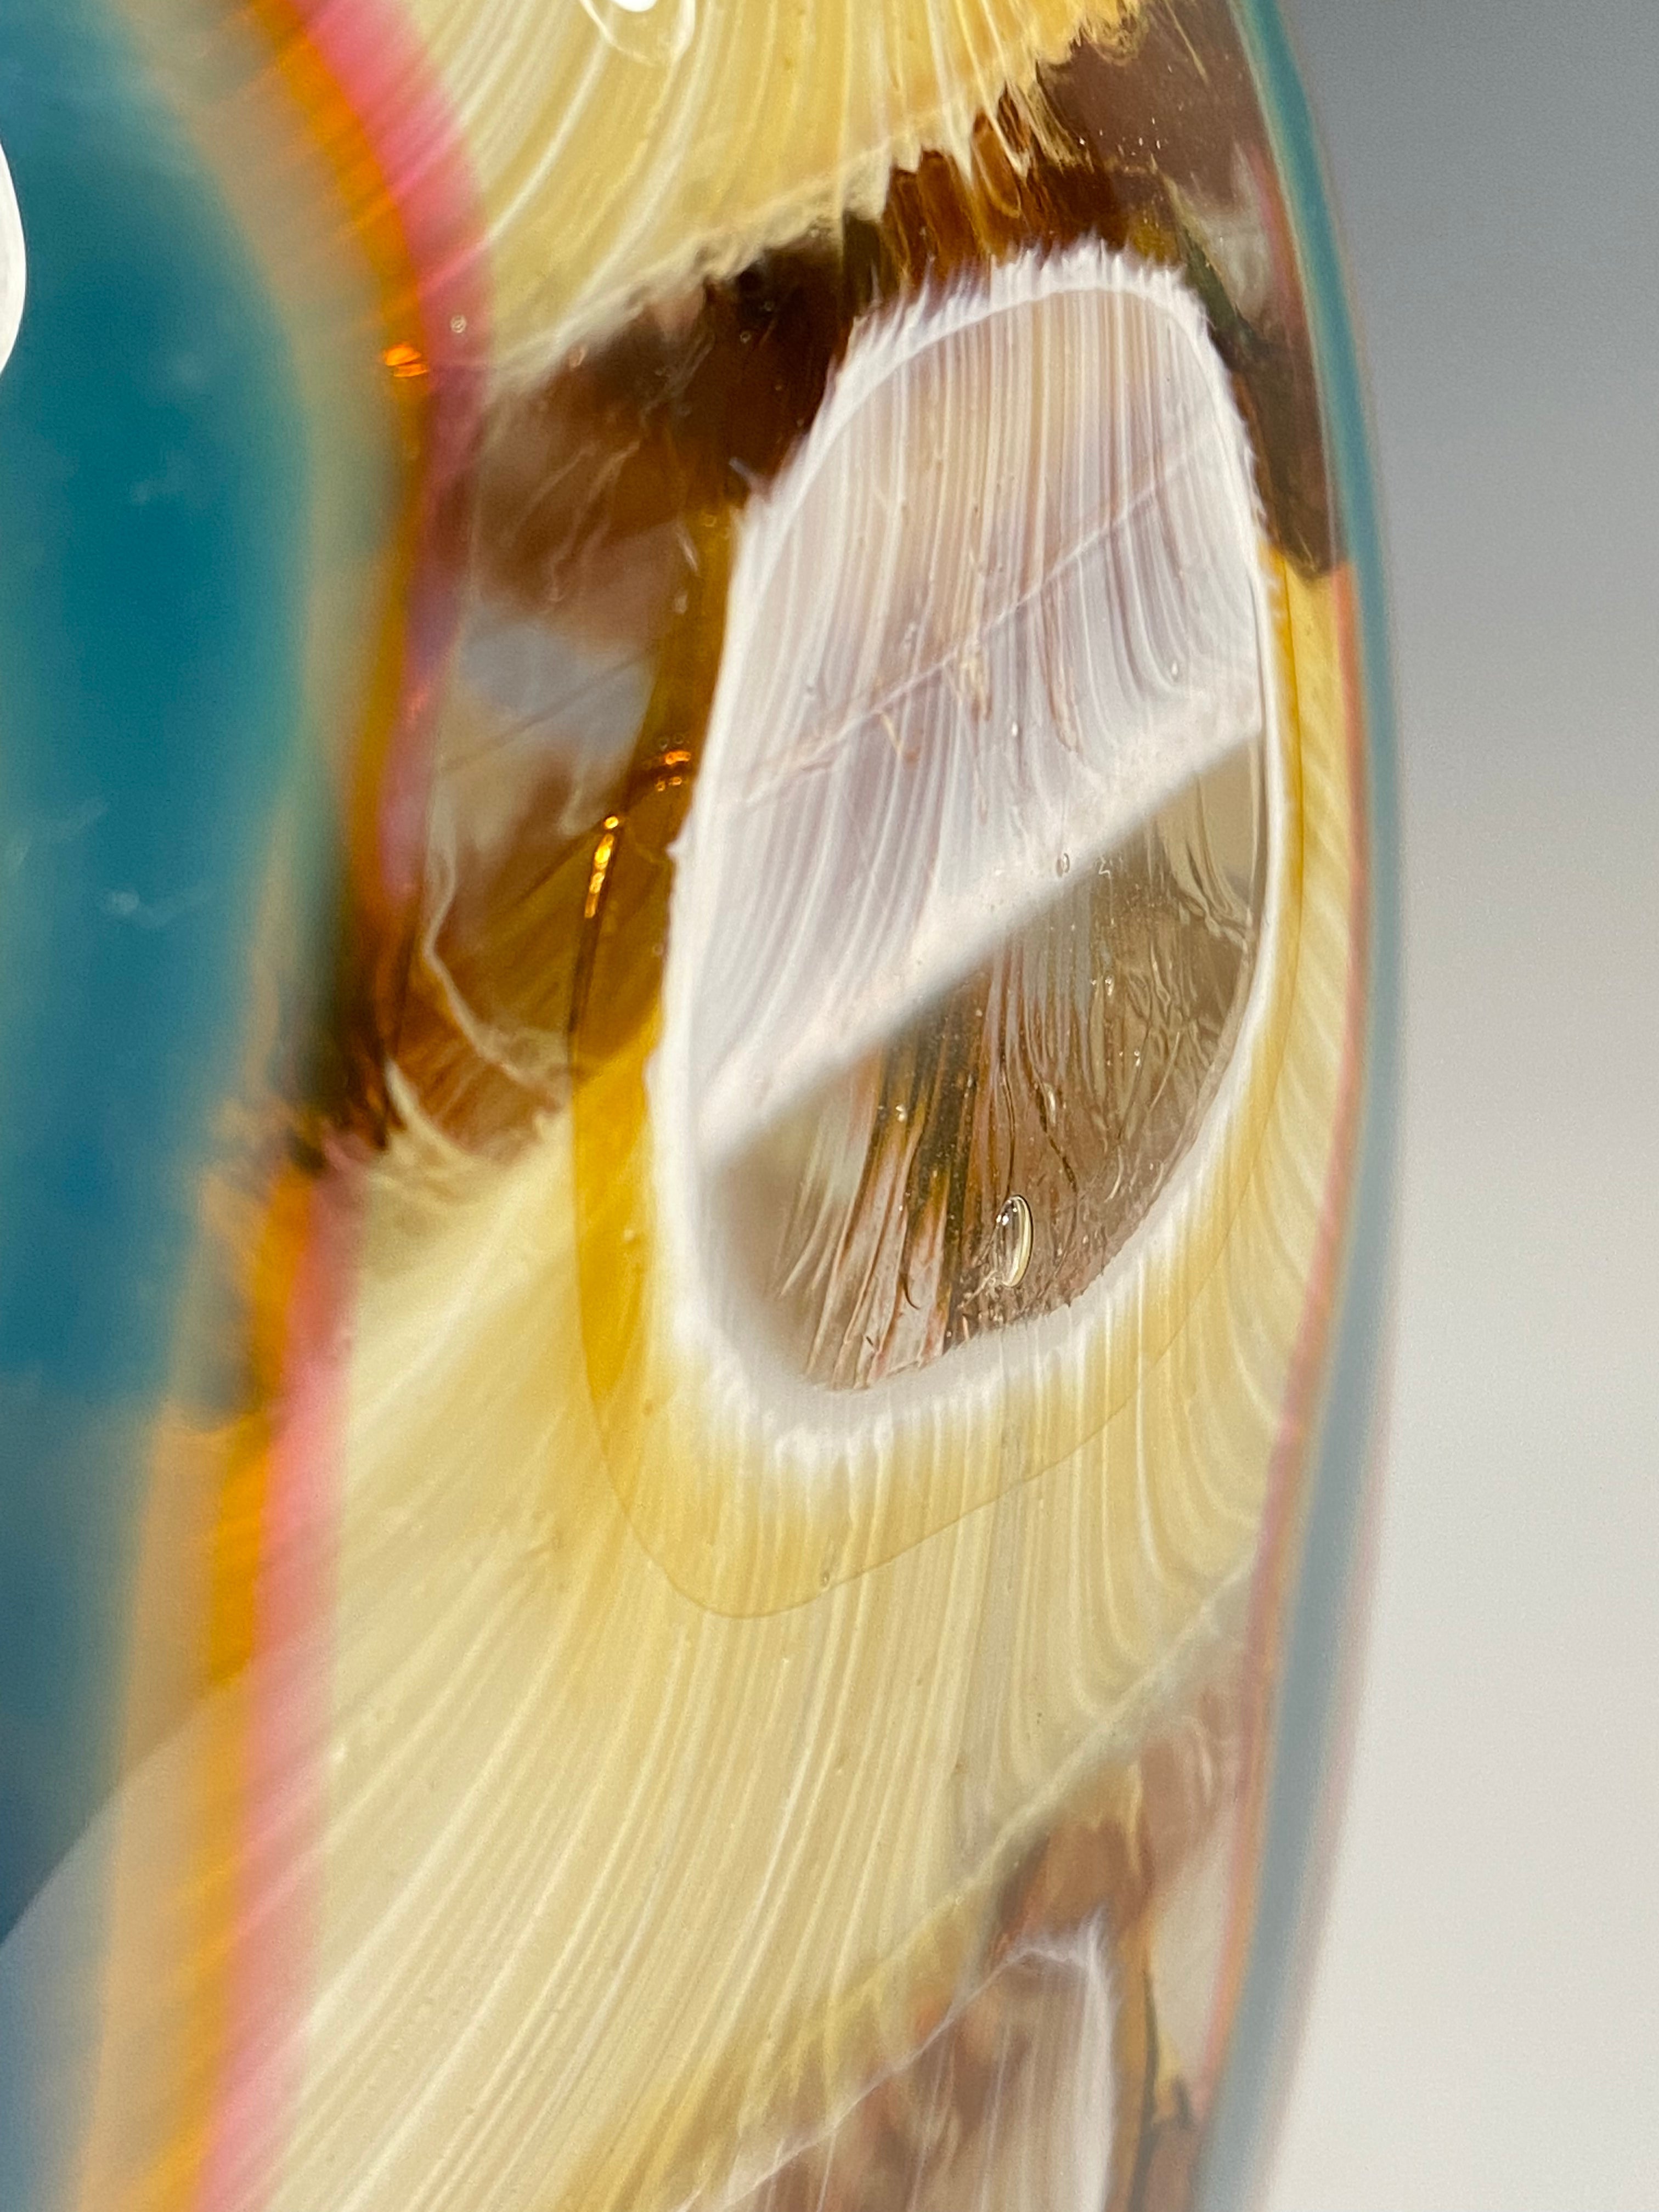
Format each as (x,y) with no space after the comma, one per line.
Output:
(591,486)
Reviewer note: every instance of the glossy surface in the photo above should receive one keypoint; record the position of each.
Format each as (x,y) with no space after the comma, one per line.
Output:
(692,1022)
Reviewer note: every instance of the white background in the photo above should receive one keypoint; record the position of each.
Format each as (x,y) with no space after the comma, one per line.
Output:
(1484,2033)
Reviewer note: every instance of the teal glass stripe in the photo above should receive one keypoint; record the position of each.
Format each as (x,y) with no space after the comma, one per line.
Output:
(153,547)
(1327,1590)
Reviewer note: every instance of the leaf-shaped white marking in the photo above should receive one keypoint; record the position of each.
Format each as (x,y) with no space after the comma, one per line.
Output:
(14,264)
